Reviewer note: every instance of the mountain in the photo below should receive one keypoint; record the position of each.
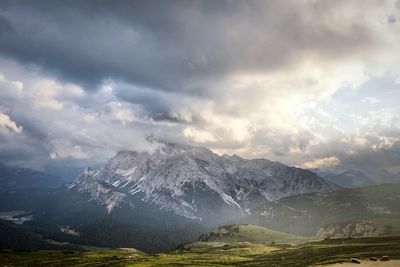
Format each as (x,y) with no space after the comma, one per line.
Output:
(14,237)
(170,195)
(193,182)
(15,178)
(250,233)
(160,198)
(370,228)
(305,214)
(23,188)
(347,179)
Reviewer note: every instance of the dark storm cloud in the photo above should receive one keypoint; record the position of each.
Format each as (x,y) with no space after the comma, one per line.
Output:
(155,104)
(89,41)
(22,149)
(168,45)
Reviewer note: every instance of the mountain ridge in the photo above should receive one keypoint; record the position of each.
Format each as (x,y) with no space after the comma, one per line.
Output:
(194,181)
(347,179)
(305,214)
(16,178)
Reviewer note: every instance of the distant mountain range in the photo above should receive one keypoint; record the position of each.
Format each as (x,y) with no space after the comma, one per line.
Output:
(23,188)
(347,179)
(15,178)
(306,214)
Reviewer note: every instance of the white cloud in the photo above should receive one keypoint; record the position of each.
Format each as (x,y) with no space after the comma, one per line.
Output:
(53,155)
(65,149)
(9,88)
(6,122)
(62,121)
(198,135)
(321,163)
(45,93)
(121,113)
(371,100)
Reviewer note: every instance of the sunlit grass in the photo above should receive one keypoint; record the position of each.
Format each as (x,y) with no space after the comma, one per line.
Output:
(217,254)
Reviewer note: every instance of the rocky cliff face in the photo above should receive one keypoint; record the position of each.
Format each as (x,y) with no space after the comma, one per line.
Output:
(194,182)
(354,229)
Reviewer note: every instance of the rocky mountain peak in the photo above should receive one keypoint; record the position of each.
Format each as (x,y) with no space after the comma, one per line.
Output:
(194,182)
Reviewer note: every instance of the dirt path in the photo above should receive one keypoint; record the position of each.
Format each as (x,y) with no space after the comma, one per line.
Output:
(366,263)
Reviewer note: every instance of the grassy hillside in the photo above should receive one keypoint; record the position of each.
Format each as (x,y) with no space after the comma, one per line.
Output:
(250,233)
(234,254)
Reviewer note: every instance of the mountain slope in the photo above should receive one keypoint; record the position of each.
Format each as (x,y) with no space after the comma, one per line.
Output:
(14,178)
(306,214)
(370,228)
(175,192)
(347,179)
(24,189)
(194,182)
(13,237)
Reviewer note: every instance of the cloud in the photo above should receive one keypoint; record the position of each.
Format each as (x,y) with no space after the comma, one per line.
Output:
(7,123)
(61,122)
(303,82)
(371,100)
(321,163)
(198,135)
(190,41)
(124,114)
(44,93)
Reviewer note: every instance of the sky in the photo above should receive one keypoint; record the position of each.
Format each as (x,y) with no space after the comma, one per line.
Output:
(313,84)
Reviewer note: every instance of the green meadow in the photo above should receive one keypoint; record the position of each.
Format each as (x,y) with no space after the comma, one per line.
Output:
(214,253)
